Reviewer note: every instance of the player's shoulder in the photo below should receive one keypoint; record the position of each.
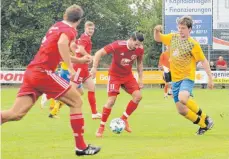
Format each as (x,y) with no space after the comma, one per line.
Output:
(84,36)
(140,49)
(193,41)
(121,42)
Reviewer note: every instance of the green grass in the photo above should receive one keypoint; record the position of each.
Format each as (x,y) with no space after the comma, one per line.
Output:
(158,131)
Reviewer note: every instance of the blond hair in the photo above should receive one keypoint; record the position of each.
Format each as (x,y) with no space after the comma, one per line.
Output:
(89,23)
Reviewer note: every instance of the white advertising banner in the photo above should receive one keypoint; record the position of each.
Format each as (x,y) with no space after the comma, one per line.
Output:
(11,76)
(221,24)
(218,77)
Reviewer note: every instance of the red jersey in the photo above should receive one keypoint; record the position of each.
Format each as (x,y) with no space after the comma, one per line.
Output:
(221,63)
(123,58)
(48,57)
(84,40)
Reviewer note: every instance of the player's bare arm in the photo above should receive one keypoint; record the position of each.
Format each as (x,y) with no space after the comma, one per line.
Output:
(82,51)
(140,70)
(157,32)
(83,60)
(207,69)
(63,46)
(96,60)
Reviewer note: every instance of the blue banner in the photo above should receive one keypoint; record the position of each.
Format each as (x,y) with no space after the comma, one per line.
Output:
(201,31)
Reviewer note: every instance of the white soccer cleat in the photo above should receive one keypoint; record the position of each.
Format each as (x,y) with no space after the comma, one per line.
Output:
(43,100)
(96,116)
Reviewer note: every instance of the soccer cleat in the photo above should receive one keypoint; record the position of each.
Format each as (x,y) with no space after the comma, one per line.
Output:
(96,116)
(209,122)
(201,131)
(54,116)
(90,150)
(127,127)
(99,132)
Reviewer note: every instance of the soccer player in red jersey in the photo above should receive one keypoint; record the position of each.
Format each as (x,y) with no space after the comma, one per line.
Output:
(120,75)
(40,78)
(83,47)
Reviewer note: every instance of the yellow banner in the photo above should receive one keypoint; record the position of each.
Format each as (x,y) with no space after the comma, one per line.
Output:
(149,77)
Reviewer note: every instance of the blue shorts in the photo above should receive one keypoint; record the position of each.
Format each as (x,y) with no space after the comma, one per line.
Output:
(183,85)
(65,75)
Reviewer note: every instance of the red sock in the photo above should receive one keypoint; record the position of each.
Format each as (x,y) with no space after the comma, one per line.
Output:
(106,113)
(92,101)
(77,123)
(166,88)
(129,109)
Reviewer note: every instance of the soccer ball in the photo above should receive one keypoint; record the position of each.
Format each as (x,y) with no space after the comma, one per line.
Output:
(117,125)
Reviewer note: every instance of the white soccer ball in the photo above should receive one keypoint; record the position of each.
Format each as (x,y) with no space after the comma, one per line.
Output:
(117,125)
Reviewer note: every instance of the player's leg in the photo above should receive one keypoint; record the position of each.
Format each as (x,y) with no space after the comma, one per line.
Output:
(43,100)
(131,87)
(52,103)
(19,109)
(166,90)
(89,83)
(113,87)
(105,114)
(184,90)
(55,109)
(56,105)
(69,95)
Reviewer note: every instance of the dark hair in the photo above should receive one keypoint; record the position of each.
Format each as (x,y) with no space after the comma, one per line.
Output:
(186,20)
(74,13)
(137,36)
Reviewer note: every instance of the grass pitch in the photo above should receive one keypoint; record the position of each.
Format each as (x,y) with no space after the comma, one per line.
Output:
(158,131)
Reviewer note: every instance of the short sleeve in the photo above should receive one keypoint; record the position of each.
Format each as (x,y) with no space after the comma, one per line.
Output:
(197,52)
(166,38)
(70,33)
(110,48)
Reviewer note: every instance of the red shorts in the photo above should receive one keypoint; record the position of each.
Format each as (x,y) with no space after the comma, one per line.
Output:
(82,74)
(128,83)
(37,82)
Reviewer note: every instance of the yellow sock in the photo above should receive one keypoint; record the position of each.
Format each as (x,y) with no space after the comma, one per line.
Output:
(52,103)
(56,108)
(195,118)
(191,104)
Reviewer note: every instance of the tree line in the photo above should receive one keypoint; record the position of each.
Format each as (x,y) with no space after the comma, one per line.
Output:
(25,22)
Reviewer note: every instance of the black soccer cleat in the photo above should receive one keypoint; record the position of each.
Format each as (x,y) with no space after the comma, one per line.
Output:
(90,150)
(209,122)
(201,131)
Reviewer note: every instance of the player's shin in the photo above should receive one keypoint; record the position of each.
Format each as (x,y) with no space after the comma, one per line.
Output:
(77,124)
(92,101)
(131,107)
(195,118)
(192,105)
(105,114)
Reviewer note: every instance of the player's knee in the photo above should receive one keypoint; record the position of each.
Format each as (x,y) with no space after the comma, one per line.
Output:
(110,103)
(137,98)
(77,102)
(182,99)
(182,112)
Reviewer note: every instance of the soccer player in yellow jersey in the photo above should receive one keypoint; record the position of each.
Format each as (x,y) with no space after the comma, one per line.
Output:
(184,53)
(56,105)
